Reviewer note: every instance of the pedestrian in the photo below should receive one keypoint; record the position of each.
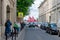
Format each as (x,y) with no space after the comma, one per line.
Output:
(19,25)
(16,27)
(22,24)
(8,27)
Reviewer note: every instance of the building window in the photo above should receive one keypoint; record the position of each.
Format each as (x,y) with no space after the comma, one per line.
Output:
(8,11)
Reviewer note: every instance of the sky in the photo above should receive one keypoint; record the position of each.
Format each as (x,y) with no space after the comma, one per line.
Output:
(34,9)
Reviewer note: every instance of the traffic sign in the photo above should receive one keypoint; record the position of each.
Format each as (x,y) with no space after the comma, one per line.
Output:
(20,14)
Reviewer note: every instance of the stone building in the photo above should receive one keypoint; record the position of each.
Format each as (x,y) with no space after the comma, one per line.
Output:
(7,11)
(42,11)
(0,17)
(49,8)
(49,11)
(0,12)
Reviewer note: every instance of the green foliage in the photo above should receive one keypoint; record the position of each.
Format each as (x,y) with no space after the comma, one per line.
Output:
(23,6)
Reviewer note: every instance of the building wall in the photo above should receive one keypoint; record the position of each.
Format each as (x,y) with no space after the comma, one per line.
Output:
(42,11)
(11,15)
(51,9)
(0,19)
(12,5)
(4,16)
(0,12)
(13,10)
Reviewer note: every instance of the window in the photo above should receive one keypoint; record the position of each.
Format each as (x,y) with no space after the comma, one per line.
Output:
(8,11)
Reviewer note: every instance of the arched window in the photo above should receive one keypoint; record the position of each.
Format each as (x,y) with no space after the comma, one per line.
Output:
(8,11)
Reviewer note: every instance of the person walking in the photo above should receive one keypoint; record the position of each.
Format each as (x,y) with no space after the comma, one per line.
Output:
(17,27)
(22,24)
(8,27)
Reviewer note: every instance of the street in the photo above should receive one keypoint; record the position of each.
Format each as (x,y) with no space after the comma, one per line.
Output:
(38,34)
(35,34)
(29,19)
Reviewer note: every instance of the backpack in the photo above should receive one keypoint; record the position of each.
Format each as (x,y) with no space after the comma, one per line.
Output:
(15,25)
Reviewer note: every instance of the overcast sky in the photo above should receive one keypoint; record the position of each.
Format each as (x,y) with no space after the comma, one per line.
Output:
(34,9)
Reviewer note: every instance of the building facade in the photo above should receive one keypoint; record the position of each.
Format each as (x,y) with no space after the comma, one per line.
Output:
(0,11)
(49,11)
(7,11)
(0,17)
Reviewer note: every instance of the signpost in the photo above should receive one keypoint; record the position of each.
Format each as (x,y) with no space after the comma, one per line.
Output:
(20,14)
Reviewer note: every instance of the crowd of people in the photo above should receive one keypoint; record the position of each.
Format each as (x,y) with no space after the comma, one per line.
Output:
(17,26)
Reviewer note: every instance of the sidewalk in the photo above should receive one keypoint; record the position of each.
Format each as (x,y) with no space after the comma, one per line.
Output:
(20,36)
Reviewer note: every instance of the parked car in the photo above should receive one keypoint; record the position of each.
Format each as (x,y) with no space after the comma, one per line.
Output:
(31,24)
(44,25)
(52,28)
(36,24)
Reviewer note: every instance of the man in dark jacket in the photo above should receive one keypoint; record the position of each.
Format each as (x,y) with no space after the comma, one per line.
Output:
(22,25)
(8,27)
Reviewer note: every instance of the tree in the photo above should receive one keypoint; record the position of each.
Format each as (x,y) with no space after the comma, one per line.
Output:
(23,6)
